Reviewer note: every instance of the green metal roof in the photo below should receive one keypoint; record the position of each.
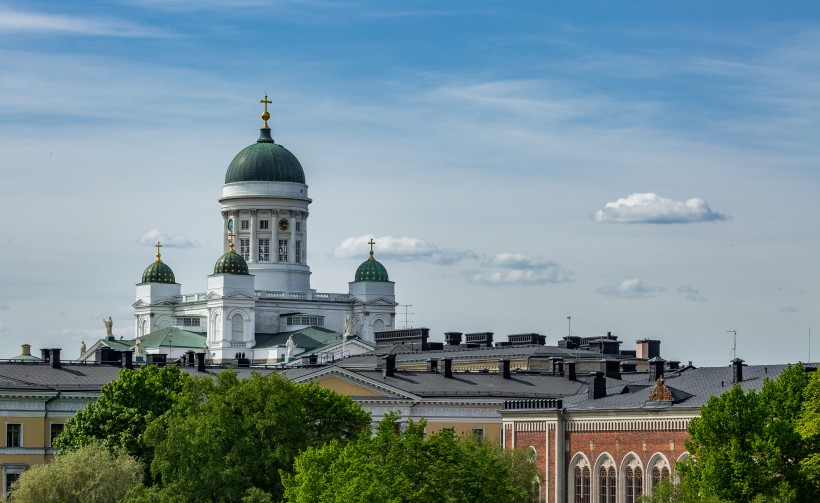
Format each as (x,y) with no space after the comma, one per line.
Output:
(265,161)
(371,270)
(231,263)
(158,272)
(164,337)
(307,338)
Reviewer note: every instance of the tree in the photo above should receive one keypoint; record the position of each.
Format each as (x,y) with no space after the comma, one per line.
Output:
(89,474)
(746,445)
(119,417)
(405,466)
(808,426)
(226,436)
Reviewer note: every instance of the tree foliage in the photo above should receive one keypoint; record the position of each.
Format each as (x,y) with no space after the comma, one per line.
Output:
(405,466)
(89,474)
(746,446)
(228,439)
(119,417)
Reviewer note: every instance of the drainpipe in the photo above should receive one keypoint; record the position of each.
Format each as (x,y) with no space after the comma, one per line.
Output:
(560,458)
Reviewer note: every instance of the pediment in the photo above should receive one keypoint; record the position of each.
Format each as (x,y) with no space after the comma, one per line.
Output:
(351,384)
(381,301)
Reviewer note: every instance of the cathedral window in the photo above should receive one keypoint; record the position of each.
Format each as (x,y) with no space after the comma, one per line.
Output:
(243,225)
(263,224)
(245,248)
(659,473)
(606,485)
(283,250)
(634,483)
(582,484)
(297,253)
(264,250)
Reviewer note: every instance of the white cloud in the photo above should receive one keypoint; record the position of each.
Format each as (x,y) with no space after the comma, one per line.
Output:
(788,309)
(179,240)
(689,293)
(520,269)
(21,21)
(400,248)
(632,288)
(650,208)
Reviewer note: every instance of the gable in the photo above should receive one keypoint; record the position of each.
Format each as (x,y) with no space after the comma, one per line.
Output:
(346,388)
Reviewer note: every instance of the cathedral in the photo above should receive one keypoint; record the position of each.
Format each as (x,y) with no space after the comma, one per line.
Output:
(259,292)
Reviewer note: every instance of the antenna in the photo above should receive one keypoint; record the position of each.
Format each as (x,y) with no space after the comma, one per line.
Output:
(407,313)
(734,342)
(569,327)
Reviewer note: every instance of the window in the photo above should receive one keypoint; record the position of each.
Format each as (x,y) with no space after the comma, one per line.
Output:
(245,248)
(532,454)
(312,321)
(606,485)
(11,478)
(264,250)
(478,433)
(237,327)
(263,224)
(582,484)
(659,473)
(297,254)
(634,483)
(56,429)
(187,321)
(217,327)
(298,226)
(283,250)
(14,434)
(243,225)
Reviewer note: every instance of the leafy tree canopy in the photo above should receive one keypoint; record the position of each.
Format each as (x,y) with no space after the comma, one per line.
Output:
(747,446)
(406,466)
(89,474)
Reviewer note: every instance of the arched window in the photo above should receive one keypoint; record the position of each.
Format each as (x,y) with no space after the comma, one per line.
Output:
(633,481)
(217,327)
(606,485)
(237,327)
(144,328)
(378,325)
(582,484)
(659,473)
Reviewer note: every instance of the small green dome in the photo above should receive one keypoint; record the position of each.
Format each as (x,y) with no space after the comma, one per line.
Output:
(231,263)
(158,272)
(371,270)
(265,161)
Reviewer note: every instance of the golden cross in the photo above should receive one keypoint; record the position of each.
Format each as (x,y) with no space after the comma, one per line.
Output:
(158,247)
(371,243)
(230,240)
(265,114)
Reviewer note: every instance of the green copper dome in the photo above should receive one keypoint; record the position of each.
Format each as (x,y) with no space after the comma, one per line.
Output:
(265,161)
(158,272)
(371,270)
(231,263)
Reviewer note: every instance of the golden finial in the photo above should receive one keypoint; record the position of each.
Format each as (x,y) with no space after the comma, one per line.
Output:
(230,242)
(158,255)
(265,114)
(371,243)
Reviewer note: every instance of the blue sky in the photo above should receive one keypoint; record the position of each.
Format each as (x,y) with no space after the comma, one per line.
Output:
(648,169)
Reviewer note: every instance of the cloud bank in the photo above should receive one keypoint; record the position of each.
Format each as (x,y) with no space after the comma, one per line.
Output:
(631,288)
(400,248)
(650,208)
(22,21)
(179,240)
(689,293)
(517,269)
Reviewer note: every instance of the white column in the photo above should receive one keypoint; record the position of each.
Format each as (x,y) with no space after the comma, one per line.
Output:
(252,241)
(225,232)
(304,236)
(274,235)
(292,244)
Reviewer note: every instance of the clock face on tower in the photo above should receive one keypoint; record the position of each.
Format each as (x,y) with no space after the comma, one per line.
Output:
(284,224)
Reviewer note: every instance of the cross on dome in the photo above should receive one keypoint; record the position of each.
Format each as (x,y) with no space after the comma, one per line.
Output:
(265,114)
(158,255)
(371,243)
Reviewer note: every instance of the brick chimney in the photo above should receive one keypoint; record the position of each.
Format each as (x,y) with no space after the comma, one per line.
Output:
(55,358)
(448,367)
(656,366)
(737,370)
(432,365)
(570,371)
(597,388)
(389,368)
(505,369)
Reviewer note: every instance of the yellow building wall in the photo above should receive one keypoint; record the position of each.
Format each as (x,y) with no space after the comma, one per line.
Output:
(492,431)
(344,388)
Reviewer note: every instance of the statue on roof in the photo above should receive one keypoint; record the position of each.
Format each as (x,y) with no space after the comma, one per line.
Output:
(661,393)
(138,347)
(347,326)
(109,327)
(291,346)
(82,348)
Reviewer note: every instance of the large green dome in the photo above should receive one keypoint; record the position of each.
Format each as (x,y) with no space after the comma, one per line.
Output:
(231,263)
(265,161)
(158,272)
(371,270)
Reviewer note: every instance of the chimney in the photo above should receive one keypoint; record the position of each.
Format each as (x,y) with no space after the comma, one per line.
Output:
(656,365)
(448,367)
(597,388)
(190,358)
(127,359)
(55,358)
(611,368)
(25,350)
(200,362)
(389,365)
(45,355)
(570,373)
(648,348)
(557,365)
(737,370)
(505,369)
(432,365)
(452,338)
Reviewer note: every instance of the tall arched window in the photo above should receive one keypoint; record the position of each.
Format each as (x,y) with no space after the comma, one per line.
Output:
(217,327)
(144,328)
(606,484)
(378,325)
(237,327)
(633,483)
(582,484)
(659,473)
